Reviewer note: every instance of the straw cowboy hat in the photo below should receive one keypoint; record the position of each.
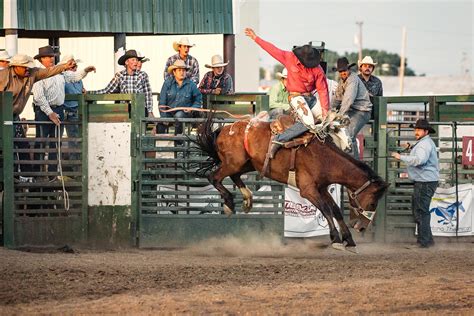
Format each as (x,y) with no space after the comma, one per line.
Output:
(342,64)
(67,58)
(283,74)
(217,61)
(4,56)
(183,41)
(176,65)
(367,60)
(22,61)
(128,54)
(307,55)
(423,124)
(45,51)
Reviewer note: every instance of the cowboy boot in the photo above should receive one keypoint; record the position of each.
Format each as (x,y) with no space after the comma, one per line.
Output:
(275,146)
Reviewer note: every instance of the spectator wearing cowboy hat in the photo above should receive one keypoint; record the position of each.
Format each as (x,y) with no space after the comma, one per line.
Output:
(18,78)
(217,81)
(71,111)
(352,99)
(131,80)
(178,91)
(423,169)
(304,75)
(182,47)
(4,59)
(48,99)
(371,82)
(279,96)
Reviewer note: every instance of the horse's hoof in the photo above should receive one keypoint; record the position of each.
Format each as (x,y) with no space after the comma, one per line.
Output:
(227,211)
(338,246)
(352,249)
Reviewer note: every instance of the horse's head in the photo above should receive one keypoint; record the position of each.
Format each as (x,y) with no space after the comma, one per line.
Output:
(364,201)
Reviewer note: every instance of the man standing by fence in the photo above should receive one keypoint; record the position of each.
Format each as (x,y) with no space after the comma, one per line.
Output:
(423,169)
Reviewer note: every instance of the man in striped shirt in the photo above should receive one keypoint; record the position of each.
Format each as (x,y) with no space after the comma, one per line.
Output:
(48,99)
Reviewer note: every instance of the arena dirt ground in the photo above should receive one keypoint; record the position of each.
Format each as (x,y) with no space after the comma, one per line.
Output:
(232,276)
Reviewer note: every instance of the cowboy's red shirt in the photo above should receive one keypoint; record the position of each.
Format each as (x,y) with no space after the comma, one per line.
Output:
(300,78)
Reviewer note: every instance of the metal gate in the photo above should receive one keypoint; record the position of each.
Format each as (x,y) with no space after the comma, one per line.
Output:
(41,205)
(176,206)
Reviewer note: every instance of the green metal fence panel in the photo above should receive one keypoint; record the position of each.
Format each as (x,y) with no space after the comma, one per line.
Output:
(6,108)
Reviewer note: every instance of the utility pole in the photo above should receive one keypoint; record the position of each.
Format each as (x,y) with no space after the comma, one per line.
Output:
(402,58)
(359,24)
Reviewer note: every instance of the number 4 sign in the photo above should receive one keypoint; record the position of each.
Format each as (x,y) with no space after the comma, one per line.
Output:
(468,150)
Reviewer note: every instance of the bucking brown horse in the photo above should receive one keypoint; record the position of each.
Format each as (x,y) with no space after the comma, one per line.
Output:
(242,147)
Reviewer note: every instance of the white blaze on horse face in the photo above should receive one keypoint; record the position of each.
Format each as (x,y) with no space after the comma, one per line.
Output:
(303,111)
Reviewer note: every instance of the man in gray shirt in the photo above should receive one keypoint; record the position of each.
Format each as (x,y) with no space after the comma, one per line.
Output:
(352,98)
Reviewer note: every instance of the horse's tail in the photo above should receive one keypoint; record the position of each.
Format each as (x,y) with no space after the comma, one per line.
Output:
(206,142)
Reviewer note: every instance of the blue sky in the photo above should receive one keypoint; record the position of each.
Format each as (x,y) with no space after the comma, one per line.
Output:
(440,34)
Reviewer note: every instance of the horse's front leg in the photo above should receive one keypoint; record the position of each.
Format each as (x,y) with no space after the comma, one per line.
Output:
(347,240)
(313,195)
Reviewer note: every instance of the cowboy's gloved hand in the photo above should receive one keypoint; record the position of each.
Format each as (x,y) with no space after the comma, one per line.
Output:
(396,156)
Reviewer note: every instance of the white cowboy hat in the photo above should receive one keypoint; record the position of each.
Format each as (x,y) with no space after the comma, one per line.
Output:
(4,56)
(183,41)
(283,74)
(367,60)
(67,58)
(216,61)
(143,58)
(22,61)
(177,64)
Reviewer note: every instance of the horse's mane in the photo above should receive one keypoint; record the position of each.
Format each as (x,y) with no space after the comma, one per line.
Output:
(371,174)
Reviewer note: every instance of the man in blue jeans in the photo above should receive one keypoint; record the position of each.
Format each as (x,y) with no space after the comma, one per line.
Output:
(423,169)
(352,99)
(71,108)
(178,91)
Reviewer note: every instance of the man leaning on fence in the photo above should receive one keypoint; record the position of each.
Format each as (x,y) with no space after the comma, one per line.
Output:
(352,99)
(423,169)
(131,80)
(48,100)
(18,78)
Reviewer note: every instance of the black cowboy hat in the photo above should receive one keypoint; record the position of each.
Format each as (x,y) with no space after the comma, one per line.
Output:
(129,54)
(46,51)
(423,124)
(307,55)
(342,64)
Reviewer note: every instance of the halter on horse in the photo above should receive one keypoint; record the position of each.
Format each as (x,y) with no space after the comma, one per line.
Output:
(317,165)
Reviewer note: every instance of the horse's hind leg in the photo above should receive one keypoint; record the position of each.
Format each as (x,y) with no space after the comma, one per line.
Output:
(215,178)
(246,193)
(337,213)
(318,200)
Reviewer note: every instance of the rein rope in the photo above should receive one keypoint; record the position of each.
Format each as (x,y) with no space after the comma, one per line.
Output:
(166,109)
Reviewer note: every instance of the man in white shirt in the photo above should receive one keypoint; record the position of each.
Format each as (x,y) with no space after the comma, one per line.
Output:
(48,100)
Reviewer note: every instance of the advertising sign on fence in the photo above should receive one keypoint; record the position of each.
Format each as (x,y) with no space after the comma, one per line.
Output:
(444,211)
(302,218)
(467,150)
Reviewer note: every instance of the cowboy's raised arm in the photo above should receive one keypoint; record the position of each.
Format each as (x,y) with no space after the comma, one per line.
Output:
(274,51)
(43,73)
